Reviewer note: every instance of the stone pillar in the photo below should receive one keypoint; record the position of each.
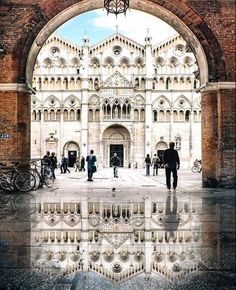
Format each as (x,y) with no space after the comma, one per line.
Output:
(148,243)
(218,134)
(84,104)
(61,131)
(15,120)
(84,226)
(148,108)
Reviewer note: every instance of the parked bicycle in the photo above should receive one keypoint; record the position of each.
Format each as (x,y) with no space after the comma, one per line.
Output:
(11,179)
(42,174)
(197,166)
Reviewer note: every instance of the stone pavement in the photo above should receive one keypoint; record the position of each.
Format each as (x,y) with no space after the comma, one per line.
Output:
(216,219)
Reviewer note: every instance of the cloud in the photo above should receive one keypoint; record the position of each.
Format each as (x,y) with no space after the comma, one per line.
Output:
(134,25)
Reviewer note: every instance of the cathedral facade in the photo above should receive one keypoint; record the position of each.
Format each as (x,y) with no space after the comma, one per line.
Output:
(116,96)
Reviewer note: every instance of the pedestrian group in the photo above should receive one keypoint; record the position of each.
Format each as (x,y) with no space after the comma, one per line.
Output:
(171,164)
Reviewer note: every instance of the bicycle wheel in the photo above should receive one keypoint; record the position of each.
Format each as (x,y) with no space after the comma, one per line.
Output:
(194,169)
(48,181)
(25,181)
(37,178)
(7,184)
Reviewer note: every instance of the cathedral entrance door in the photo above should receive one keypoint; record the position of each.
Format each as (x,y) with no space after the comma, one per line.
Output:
(119,149)
(72,155)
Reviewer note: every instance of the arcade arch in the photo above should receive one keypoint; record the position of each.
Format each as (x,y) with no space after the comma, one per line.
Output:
(209,49)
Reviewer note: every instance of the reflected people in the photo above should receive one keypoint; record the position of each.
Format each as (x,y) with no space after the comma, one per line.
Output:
(171,219)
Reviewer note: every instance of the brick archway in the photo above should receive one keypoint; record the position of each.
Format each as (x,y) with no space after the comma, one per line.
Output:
(208,28)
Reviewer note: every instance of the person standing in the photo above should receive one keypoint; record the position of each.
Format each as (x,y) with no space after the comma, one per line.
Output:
(47,158)
(62,166)
(82,164)
(171,164)
(115,162)
(66,165)
(53,160)
(77,164)
(155,162)
(148,164)
(91,159)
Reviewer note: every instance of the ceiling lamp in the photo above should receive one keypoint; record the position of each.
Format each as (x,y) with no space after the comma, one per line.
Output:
(116,6)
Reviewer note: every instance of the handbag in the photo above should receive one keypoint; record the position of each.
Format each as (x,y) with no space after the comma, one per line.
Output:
(94,168)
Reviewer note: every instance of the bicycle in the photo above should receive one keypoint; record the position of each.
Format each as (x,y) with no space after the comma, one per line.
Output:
(44,176)
(12,179)
(197,167)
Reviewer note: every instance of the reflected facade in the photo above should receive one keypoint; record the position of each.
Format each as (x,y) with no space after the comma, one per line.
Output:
(118,240)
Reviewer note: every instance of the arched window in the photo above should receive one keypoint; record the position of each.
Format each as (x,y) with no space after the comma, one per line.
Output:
(90,115)
(90,83)
(78,115)
(167,84)
(142,115)
(52,84)
(136,84)
(181,116)
(175,116)
(96,84)
(65,114)
(72,115)
(167,116)
(45,113)
(72,84)
(52,115)
(39,115)
(34,118)
(106,110)
(155,116)
(194,116)
(143,83)
(126,110)
(58,115)
(66,84)
(136,115)
(97,115)
(40,84)
(78,83)
(161,116)
(187,116)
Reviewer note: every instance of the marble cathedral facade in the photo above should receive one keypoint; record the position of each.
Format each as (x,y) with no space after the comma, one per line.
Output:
(116,96)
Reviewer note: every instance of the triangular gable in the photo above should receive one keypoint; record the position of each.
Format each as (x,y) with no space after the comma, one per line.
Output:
(117,39)
(117,80)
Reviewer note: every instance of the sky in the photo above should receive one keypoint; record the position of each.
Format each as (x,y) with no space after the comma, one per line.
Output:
(98,26)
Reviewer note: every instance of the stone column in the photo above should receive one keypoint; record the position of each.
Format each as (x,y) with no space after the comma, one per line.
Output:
(84,235)
(148,243)
(84,103)
(218,134)
(15,121)
(148,108)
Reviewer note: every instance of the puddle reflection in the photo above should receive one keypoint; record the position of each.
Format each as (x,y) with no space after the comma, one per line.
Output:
(117,240)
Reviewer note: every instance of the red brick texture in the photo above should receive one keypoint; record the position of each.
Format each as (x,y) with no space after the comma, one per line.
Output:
(212,22)
(15,121)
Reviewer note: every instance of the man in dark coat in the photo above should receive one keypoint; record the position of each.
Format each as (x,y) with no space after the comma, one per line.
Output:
(115,162)
(91,159)
(171,164)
